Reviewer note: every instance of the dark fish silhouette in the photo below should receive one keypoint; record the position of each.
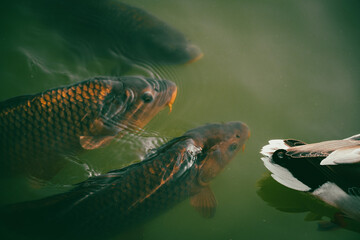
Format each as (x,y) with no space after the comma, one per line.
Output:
(36,129)
(108,204)
(116,29)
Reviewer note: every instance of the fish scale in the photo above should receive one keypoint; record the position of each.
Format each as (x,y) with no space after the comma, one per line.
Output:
(135,204)
(33,126)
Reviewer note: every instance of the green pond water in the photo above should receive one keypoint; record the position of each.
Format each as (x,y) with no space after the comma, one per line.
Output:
(288,69)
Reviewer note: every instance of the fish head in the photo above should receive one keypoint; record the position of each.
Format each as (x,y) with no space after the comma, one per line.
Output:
(135,100)
(219,143)
(169,46)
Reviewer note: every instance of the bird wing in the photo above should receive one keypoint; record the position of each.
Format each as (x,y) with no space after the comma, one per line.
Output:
(345,155)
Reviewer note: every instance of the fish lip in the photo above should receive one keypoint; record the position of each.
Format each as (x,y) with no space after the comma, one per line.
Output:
(196,52)
(195,59)
(246,138)
(169,89)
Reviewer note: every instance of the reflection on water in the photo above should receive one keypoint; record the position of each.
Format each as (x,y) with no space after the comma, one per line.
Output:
(289,68)
(291,201)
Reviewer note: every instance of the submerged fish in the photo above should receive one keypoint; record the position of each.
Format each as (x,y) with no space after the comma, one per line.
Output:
(108,204)
(117,29)
(36,129)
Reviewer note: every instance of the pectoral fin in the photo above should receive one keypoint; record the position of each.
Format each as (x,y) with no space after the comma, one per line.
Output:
(100,135)
(204,202)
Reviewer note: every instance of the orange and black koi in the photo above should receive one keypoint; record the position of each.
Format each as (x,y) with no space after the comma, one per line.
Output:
(36,129)
(107,204)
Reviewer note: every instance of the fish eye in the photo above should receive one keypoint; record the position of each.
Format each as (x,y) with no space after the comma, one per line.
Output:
(147,97)
(237,136)
(232,147)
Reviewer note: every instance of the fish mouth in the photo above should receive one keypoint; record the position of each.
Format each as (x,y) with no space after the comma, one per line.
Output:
(167,91)
(195,52)
(246,128)
(195,59)
(137,112)
(247,136)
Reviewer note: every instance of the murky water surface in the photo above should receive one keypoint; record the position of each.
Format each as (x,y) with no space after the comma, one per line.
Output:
(289,69)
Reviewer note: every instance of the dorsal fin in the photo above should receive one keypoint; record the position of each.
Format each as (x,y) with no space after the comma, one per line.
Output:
(166,146)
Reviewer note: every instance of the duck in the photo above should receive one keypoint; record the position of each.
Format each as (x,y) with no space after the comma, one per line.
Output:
(328,170)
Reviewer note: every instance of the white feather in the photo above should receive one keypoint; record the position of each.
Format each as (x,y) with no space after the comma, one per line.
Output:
(335,196)
(283,176)
(357,136)
(273,145)
(343,156)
